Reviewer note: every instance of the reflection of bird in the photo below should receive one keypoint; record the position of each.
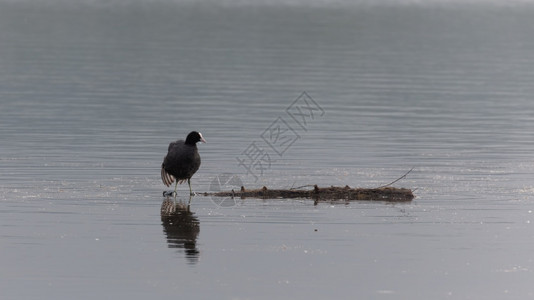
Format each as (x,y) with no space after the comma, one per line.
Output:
(182,161)
(181,227)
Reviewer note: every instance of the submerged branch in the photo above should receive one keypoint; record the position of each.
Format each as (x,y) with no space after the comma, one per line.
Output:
(324,194)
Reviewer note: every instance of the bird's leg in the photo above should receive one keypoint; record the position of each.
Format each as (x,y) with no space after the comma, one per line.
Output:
(175,187)
(190,190)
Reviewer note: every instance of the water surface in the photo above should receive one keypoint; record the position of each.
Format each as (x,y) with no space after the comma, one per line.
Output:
(91,95)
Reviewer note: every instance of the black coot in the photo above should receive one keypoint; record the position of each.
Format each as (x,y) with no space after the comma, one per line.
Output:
(182,160)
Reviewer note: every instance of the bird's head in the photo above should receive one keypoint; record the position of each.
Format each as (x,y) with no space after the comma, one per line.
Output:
(194,137)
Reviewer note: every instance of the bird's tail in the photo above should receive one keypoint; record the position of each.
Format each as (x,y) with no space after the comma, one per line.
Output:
(167,178)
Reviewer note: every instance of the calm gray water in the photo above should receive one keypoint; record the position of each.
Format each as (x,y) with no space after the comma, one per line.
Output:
(92,93)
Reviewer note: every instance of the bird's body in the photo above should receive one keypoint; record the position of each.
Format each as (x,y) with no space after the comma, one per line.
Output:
(182,160)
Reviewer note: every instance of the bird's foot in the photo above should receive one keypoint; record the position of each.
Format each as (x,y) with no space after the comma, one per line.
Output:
(168,193)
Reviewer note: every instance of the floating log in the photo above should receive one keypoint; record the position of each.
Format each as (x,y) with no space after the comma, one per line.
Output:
(333,193)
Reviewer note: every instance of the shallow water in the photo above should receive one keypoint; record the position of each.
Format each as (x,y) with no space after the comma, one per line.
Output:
(91,95)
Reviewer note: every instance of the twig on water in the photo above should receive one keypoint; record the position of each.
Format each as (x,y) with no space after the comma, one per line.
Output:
(303,186)
(403,176)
